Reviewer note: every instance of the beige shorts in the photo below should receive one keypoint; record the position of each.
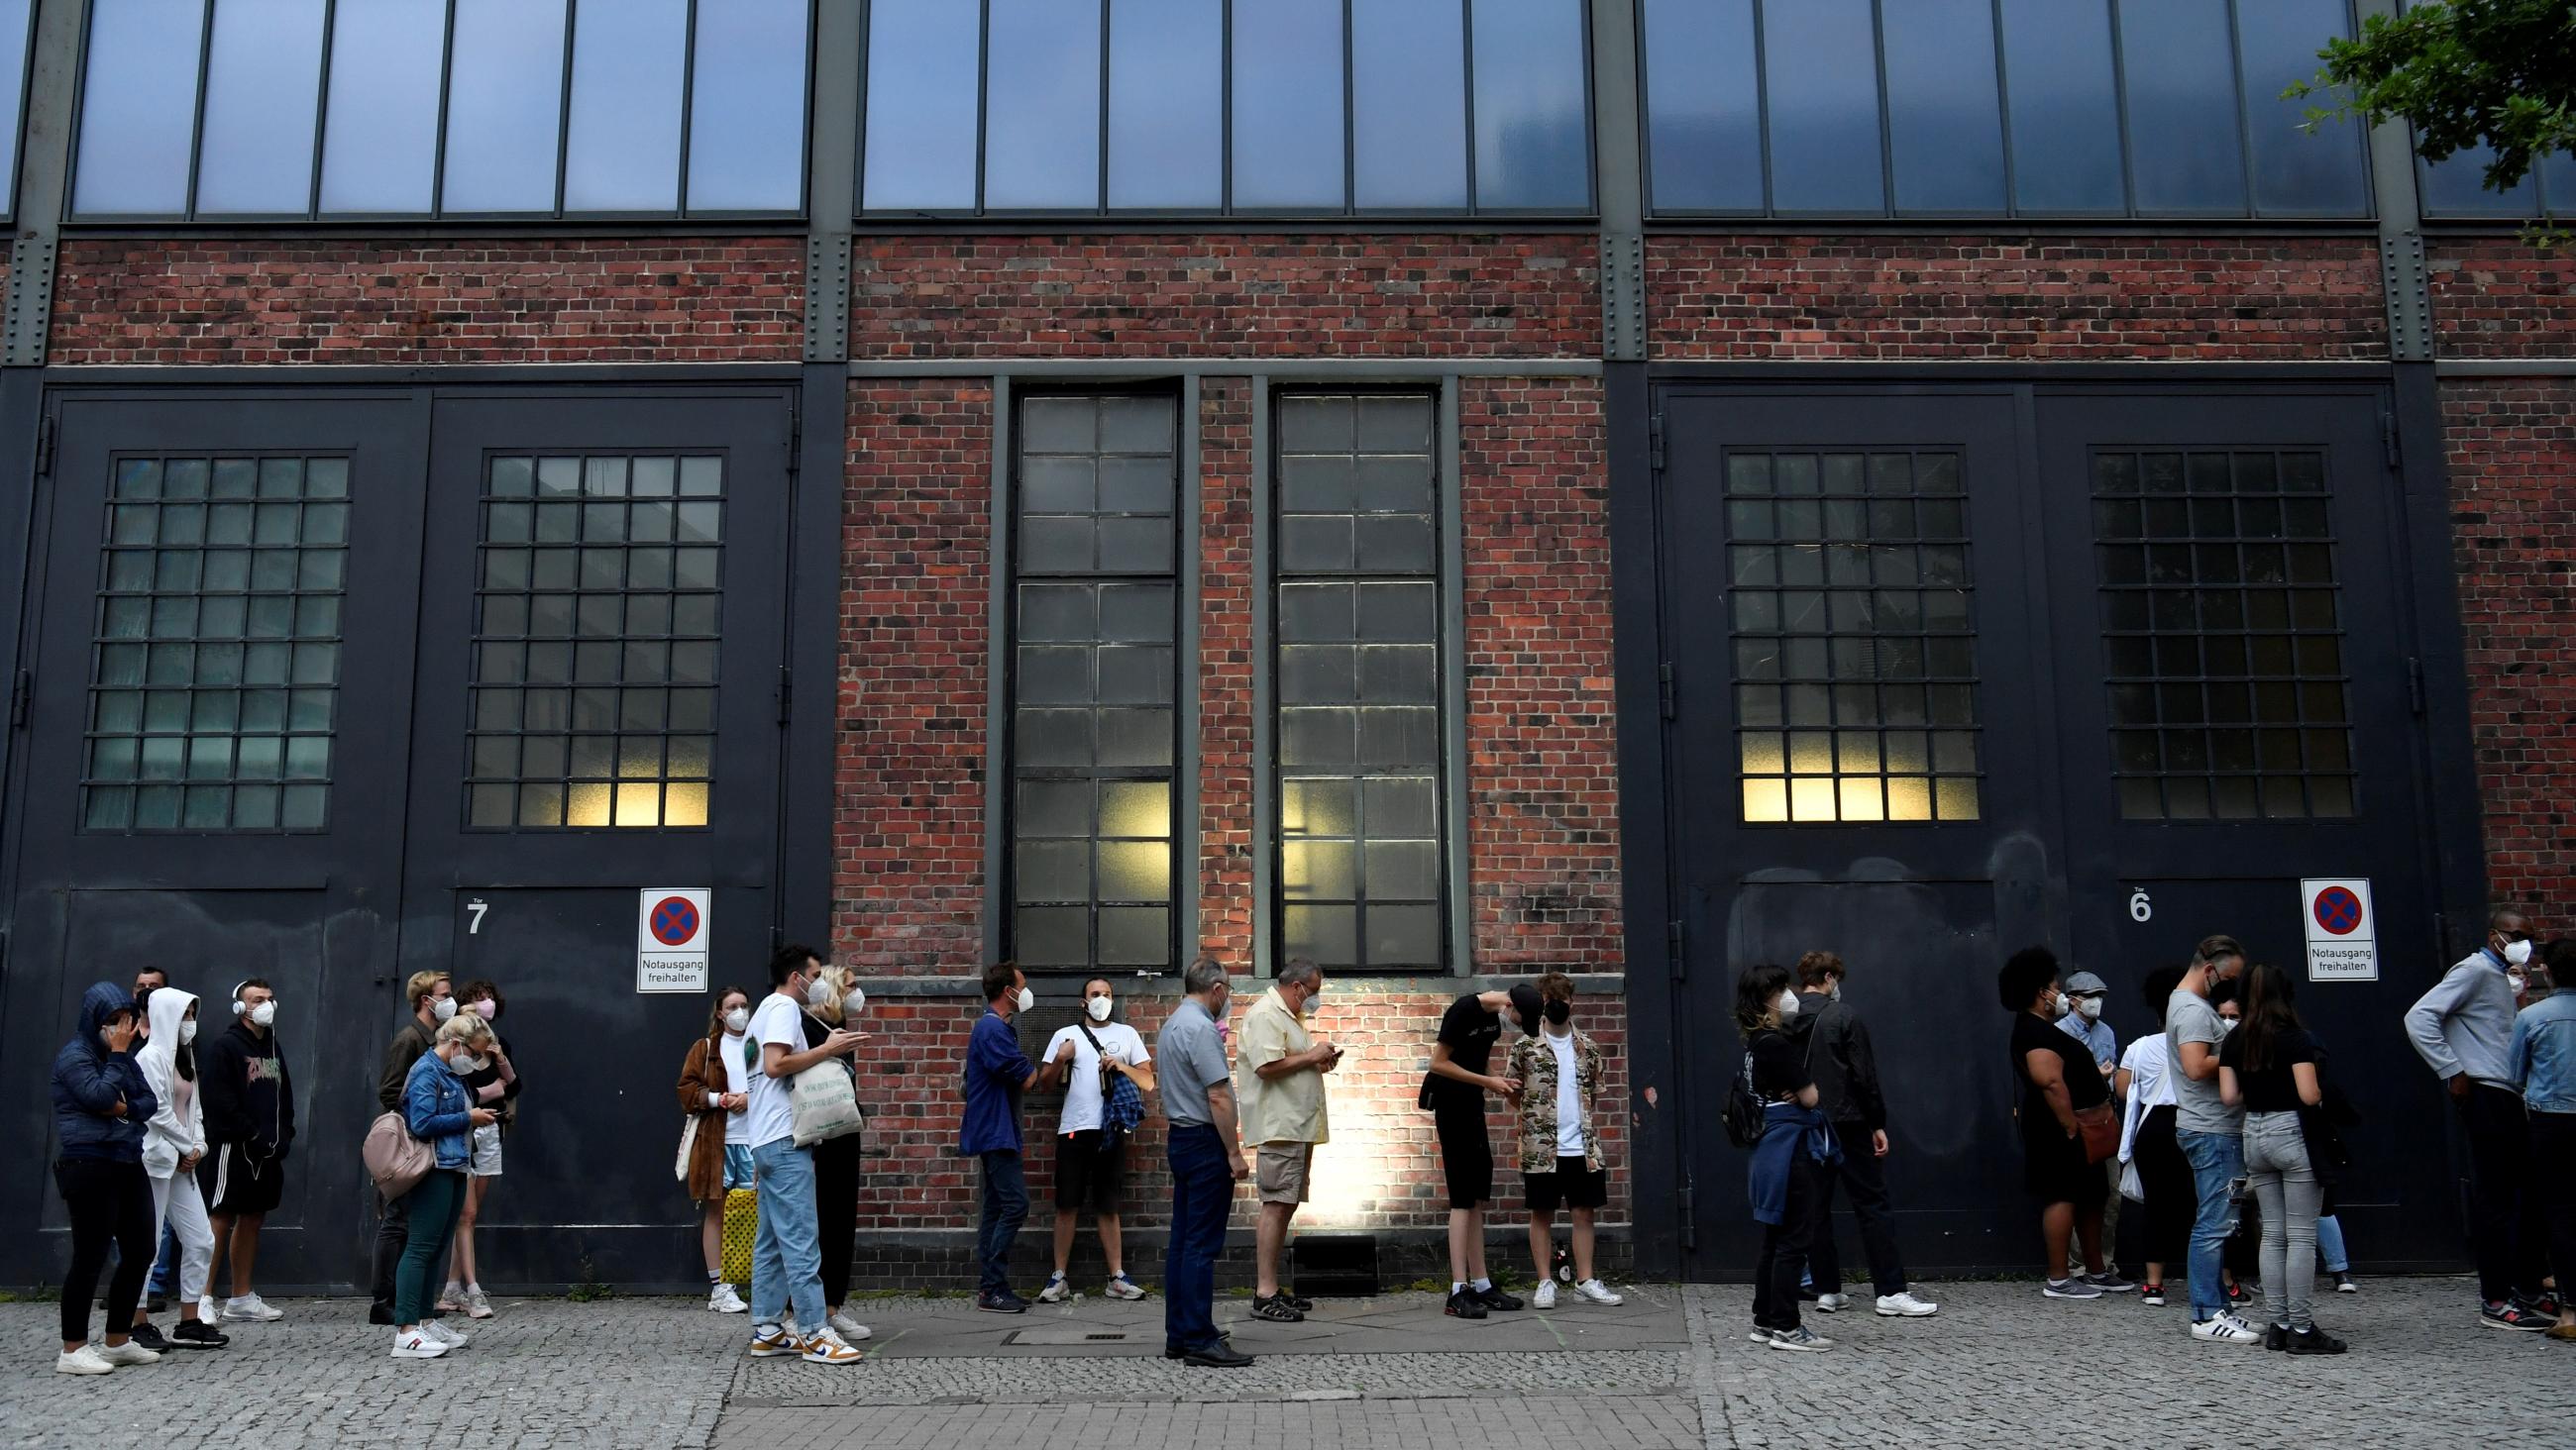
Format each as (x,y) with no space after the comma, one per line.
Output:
(1281,1171)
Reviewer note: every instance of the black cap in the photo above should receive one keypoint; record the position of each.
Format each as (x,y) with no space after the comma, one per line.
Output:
(1526,1006)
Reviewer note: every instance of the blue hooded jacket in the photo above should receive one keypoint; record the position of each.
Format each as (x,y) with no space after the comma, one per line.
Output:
(88,1080)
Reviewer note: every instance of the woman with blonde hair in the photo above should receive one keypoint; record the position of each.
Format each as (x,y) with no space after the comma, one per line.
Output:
(715,1090)
(493,1082)
(834,1001)
(441,1113)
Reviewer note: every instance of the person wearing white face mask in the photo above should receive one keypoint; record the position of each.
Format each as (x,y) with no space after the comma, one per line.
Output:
(249,1107)
(2083,1000)
(833,1001)
(715,1091)
(494,1082)
(1781,1178)
(786,1263)
(997,1072)
(173,1144)
(432,1002)
(2463,1029)
(440,1113)
(1090,1151)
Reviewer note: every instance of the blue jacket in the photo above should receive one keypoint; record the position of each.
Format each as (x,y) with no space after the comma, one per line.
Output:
(436,1106)
(2544,1053)
(88,1080)
(1787,1129)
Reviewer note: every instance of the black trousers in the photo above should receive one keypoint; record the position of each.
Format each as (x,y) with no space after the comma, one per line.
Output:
(1864,1173)
(2553,1182)
(2172,1197)
(107,1203)
(836,1212)
(2506,1240)
(1785,1246)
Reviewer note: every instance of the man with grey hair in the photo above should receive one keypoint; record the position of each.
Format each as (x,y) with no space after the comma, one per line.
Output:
(1279,1079)
(1206,1163)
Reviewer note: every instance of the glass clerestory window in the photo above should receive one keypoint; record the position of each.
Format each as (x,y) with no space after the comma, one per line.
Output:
(215,676)
(1094,682)
(325,109)
(1358,683)
(1993,108)
(1265,107)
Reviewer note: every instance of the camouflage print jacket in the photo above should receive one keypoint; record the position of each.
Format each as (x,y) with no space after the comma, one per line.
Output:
(1533,1066)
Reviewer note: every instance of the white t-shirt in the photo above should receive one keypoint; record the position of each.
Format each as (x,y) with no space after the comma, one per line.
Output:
(1082,1087)
(738,1080)
(1569,1096)
(773,1109)
(2149,1084)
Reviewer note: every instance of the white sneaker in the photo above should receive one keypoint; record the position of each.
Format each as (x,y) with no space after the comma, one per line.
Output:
(2225,1328)
(413,1344)
(1801,1340)
(1832,1303)
(453,1338)
(848,1328)
(723,1300)
(120,1355)
(1122,1287)
(1057,1290)
(250,1309)
(478,1305)
(208,1309)
(1545,1298)
(1903,1305)
(84,1360)
(1759,1335)
(1597,1292)
(824,1347)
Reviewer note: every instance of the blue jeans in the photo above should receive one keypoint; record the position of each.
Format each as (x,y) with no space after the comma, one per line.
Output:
(786,1259)
(1006,1205)
(2330,1246)
(1202,1192)
(2217,1159)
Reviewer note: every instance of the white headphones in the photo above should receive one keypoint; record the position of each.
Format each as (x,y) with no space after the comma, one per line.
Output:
(238,1008)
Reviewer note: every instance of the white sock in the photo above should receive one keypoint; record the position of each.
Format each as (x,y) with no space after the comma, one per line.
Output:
(1482,1285)
(1457,1286)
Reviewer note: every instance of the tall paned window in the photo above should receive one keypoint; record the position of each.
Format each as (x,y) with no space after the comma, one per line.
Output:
(2224,636)
(1357,672)
(595,642)
(215,677)
(1094,679)
(1855,650)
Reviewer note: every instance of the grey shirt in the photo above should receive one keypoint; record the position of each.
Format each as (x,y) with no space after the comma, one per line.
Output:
(2197,1108)
(1192,1057)
(2465,1024)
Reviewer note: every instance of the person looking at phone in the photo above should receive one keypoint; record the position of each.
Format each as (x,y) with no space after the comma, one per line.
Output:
(1454,1090)
(1279,1079)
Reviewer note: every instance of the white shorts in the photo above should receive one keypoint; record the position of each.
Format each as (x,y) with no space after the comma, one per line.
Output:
(486,1159)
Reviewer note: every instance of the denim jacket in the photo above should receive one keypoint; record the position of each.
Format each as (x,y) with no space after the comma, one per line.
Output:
(437,1107)
(2544,1053)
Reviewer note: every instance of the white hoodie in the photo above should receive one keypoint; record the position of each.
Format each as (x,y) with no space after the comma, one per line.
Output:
(167,1139)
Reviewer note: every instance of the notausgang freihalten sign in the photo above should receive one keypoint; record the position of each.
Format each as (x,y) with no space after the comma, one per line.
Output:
(671,939)
(2343,935)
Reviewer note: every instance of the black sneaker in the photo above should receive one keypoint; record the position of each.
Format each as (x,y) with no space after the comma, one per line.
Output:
(1495,1298)
(1298,1302)
(1001,1302)
(2313,1340)
(1465,1304)
(2543,1306)
(2343,1284)
(2511,1316)
(1219,1355)
(2277,1337)
(195,1334)
(1277,1308)
(149,1337)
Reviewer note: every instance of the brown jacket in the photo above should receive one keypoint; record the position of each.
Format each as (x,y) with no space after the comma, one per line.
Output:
(701,1074)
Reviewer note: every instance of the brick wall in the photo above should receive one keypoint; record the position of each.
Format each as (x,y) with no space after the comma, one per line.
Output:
(2231,299)
(214,302)
(1283,296)
(2512,456)
(2495,297)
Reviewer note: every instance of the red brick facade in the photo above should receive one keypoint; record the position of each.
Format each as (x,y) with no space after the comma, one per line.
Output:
(1997,298)
(216,302)
(2497,298)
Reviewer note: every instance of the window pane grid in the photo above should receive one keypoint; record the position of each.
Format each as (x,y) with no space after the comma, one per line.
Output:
(1227,107)
(2223,636)
(1357,672)
(1851,615)
(215,667)
(547,112)
(598,611)
(1095,675)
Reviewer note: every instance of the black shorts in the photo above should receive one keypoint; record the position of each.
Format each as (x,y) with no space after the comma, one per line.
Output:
(1572,1185)
(1466,1155)
(233,1184)
(1088,1175)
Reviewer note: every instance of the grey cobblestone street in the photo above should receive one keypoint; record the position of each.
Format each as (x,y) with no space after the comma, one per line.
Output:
(1669,1371)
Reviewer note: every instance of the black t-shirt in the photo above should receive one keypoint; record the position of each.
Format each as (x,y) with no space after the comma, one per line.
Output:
(1779,1066)
(2085,1085)
(1470,1033)
(2272,1089)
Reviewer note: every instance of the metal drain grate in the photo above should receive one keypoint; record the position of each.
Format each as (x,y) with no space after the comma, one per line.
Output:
(1068,1335)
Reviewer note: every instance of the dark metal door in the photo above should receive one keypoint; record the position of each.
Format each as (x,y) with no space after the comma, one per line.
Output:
(599,707)
(207,768)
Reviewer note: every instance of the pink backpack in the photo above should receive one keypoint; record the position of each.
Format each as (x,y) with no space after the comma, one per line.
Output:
(395,1159)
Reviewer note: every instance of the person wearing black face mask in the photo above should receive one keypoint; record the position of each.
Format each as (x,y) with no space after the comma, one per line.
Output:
(1558,1075)
(1454,1092)
(1838,1053)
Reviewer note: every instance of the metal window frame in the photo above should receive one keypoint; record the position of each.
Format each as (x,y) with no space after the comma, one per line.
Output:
(18,121)
(438,214)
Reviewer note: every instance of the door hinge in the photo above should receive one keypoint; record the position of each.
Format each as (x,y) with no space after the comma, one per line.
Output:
(1690,1227)
(2415,685)
(1666,699)
(1655,443)
(2388,437)
(786,692)
(45,446)
(22,693)
(1673,947)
